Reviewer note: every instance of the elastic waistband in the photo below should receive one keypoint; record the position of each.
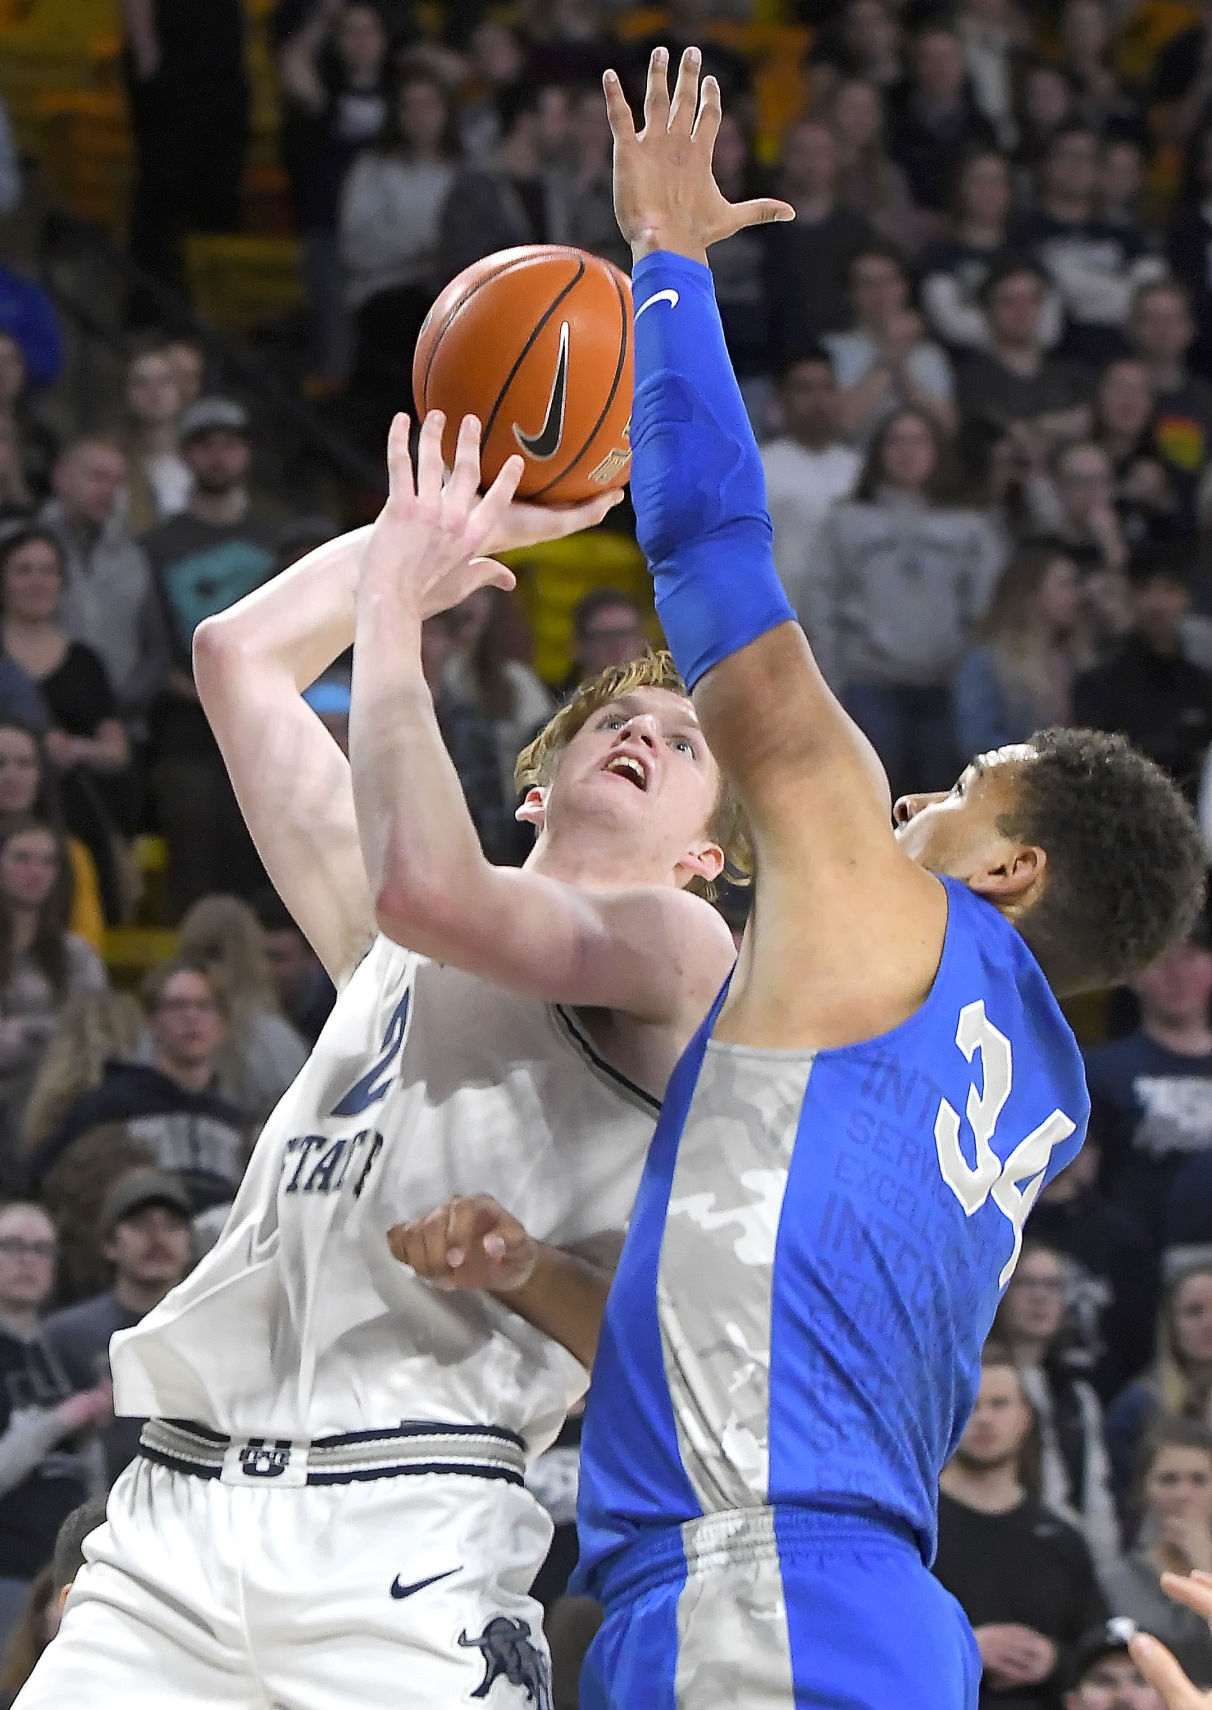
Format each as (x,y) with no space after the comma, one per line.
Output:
(419,1446)
(740,1535)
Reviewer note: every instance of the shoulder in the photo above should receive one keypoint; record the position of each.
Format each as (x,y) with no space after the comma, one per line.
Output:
(84,1316)
(686,928)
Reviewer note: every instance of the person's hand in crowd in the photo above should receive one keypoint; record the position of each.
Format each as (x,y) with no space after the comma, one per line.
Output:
(1189,1538)
(1158,1665)
(471,1242)
(1146,482)
(1107,535)
(1014,1656)
(1105,596)
(88,1408)
(64,751)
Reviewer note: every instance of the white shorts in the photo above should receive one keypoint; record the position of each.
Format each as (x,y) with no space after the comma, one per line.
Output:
(376,1595)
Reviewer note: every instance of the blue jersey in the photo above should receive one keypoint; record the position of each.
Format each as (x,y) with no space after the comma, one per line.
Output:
(817,1250)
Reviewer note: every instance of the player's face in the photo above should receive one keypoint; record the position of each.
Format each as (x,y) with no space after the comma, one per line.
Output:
(1000,1421)
(640,761)
(151,1246)
(1179,1485)
(1114,1683)
(957,832)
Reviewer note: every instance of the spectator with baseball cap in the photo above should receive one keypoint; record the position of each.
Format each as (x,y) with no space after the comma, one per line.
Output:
(144,1233)
(1103,1675)
(204,560)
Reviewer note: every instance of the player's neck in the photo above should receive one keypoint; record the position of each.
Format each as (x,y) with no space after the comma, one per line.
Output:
(990,1490)
(1185,1038)
(590,861)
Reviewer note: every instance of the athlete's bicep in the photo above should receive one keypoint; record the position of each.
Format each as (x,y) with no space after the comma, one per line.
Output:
(656,954)
(293,786)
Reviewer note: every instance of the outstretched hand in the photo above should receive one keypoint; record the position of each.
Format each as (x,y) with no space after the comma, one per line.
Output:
(429,539)
(1159,1667)
(664,194)
(471,1242)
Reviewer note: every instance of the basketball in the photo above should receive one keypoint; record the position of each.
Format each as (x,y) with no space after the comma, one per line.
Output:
(536,342)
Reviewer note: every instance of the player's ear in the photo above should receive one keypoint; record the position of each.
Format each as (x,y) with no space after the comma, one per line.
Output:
(1014,873)
(702,861)
(533,808)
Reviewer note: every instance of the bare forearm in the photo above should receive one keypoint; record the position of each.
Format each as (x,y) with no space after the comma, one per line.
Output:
(565,1298)
(418,840)
(302,620)
(140,20)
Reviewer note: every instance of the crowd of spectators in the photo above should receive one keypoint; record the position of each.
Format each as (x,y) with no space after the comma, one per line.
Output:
(979,364)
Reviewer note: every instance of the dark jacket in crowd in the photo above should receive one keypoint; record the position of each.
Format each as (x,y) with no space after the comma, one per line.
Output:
(51,1478)
(1115,1284)
(198,1135)
(1027,1567)
(1160,701)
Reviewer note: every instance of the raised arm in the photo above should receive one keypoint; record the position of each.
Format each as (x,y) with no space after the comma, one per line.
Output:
(815,792)
(649,952)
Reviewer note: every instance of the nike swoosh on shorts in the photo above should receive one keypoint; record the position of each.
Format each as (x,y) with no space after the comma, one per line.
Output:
(400,1591)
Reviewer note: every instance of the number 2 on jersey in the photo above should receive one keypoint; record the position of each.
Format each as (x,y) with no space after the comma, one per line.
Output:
(989,1178)
(375,1082)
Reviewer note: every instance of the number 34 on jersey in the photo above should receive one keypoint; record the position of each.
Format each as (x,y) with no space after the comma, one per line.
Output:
(1014,1185)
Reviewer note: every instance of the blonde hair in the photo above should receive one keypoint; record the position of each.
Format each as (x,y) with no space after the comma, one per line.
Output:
(92,1027)
(1176,1390)
(226,938)
(537,763)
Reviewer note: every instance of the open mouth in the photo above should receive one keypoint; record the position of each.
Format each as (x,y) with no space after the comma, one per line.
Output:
(627,766)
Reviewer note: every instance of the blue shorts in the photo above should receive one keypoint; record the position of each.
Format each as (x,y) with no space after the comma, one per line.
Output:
(771,1609)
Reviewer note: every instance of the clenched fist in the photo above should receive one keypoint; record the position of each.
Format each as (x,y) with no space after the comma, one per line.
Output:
(470,1242)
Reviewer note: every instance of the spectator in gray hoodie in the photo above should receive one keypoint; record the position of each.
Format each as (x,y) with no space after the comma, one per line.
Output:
(904,579)
(109,599)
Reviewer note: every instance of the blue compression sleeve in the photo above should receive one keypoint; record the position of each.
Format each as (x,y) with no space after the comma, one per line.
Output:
(697,481)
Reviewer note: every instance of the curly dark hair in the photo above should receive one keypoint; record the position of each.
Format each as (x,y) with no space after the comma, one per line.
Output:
(1126,865)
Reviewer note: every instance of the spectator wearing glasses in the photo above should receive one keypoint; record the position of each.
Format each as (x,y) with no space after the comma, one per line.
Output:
(607,629)
(50,1460)
(1075,1473)
(182,1121)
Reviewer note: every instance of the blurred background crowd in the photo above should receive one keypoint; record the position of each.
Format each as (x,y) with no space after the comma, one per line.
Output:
(980,366)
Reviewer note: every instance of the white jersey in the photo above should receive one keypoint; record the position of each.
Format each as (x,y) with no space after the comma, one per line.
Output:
(425,1083)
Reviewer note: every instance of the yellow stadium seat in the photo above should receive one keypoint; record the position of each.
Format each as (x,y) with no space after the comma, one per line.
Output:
(131,951)
(553,577)
(238,282)
(87,154)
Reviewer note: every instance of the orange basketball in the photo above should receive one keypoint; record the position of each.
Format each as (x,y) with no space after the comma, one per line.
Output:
(537,342)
